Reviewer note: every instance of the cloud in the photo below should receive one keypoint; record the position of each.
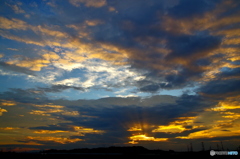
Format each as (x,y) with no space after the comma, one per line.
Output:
(223,88)
(108,116)
(156,47)
(192,46)
(50,109)
(93,22)
(89,3)
(9,128)
(49,131)
(34,65)
(194,8)
(144,138)
(128,116)
(177,126)
(7,102)
(61,140)
(2,111)
(21,95)
(211,133)
(16,8)
(60,88)
(13,23)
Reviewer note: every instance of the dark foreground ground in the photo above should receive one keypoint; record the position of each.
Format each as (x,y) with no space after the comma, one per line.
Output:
(112,155)
(135,152)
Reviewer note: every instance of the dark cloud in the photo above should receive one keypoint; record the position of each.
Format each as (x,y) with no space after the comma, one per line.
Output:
(229,73)
(221,87)
(51,127)
(117,118)
(147,44)
(150,88)
(188,8)
(59,88)
(25,96)
(192,45)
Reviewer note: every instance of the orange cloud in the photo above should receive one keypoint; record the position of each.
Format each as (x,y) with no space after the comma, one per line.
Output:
(71,113)
(177,126)
(81,51)
(231,41)
(15,24)
(26,40)
(83,130)
(134,129)
(50,131)
(50,32)
(93,22)
(61,140)
(207,21)
(170,129)
(48,105)
(2,111)
(143,137)
(222,120)
(32,64)
(45,112)
(229,103)
(7,102)
(212,132)
(9,128)
(111,9)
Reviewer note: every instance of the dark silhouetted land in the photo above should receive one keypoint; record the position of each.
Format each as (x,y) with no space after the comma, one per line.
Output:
(108,152)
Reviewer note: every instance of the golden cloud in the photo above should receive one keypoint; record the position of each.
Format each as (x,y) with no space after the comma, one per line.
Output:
(229,103)
(143,137)
(83,130)
(46,31)
(50,131)
(212,132)
(206,21)
(223,120)
(9,128)
(170,129)
(2,111)
(134,129)
(7,102)
(231,41)
(32,64)
(21,39)
(93,22)
(50,105)
(71,113)
(61,140)
(45,112)
(177,126)
(15,24)
(80,50)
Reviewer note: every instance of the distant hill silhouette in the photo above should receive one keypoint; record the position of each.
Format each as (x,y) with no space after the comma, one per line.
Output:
(113,149)
(107,152)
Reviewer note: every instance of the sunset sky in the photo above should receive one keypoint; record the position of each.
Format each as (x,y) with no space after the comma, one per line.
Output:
(95,73)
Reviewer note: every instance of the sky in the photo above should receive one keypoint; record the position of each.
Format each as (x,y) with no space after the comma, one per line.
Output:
(95,73)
